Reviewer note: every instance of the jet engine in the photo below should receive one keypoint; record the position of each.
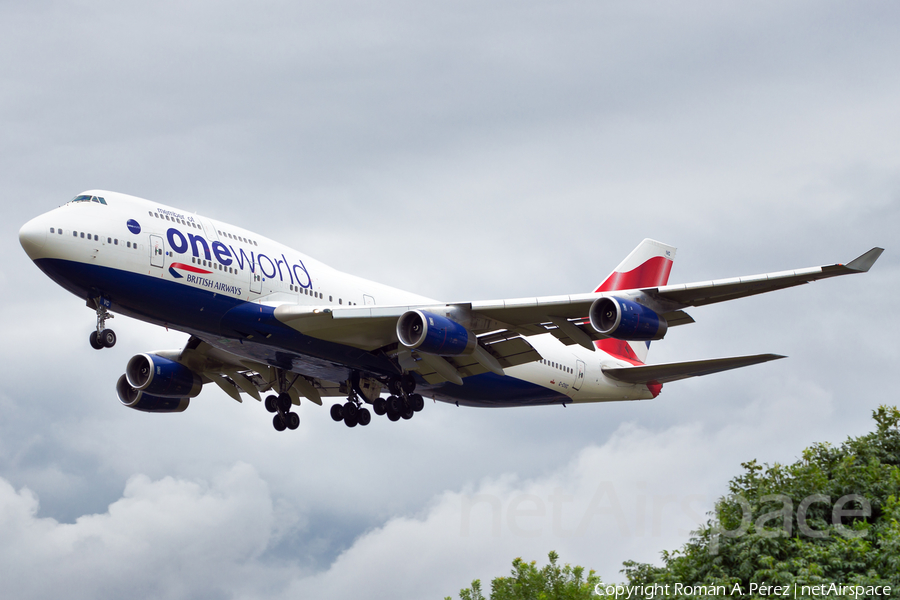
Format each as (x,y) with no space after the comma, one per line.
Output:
(163,377)
(145,402)
(626,320)
(433,334)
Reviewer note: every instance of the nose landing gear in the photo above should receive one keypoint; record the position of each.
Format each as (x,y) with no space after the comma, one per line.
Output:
(101,337)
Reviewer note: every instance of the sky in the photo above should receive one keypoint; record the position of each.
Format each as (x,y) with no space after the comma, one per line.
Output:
(463,151)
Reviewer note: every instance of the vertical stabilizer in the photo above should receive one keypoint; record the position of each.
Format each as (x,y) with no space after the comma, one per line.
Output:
(648,265)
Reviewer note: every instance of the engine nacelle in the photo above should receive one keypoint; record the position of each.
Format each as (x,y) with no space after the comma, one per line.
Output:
(160,376)
(626,320)
(143,401)
(434,334)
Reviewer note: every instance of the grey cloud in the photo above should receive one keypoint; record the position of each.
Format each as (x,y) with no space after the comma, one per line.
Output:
(543,143)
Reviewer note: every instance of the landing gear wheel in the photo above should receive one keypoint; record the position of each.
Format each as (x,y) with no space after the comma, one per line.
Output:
(283,402)
(416,402)
(364,416)
(350,421)
(293,420)
(337,412)
(278,422)
(395,404)
(408,383)
(96,344)
(408,414)
(107,337)
(272,404)
(395,386)
(350,411)
(379,406)
(393,415)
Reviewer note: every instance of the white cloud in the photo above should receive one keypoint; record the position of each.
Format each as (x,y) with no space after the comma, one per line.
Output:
(165,539)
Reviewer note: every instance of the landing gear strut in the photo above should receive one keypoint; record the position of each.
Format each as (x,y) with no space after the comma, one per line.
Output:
(403,403)
(102,337)
(352,412)
(281,406)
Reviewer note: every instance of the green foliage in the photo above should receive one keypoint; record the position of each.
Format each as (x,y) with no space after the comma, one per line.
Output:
(757,533)
(527,582)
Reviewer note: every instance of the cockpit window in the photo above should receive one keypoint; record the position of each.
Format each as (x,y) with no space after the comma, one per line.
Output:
(84,198)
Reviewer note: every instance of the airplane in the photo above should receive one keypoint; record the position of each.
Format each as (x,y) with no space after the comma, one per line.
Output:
(265,318)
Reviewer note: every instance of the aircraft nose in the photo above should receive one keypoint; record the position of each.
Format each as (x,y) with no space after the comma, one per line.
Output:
(33,236)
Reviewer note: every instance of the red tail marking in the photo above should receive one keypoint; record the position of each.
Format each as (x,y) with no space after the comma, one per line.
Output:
(618,348)
(654,387)
(654,272)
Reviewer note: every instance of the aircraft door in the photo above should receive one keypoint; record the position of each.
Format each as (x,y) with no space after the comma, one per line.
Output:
(256,281)
(579,375)
(368,300)
(157,251)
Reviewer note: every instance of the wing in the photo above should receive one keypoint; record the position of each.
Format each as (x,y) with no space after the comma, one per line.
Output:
(235,375)
(373,327)
(496,323)
(709,292)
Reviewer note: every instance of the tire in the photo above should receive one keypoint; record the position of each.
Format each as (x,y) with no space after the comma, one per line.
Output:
(278,422)
(337,412)
(364,416)
(393,415)
(408,414)
(283,402)
(416,402)
(350,421)
(379,406)
(272,404)
(293,421)
(108,338)
(350,410)
(395,386)
(395,404)
(95,341)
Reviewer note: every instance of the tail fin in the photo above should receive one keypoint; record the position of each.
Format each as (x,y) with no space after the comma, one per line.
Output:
(648,265)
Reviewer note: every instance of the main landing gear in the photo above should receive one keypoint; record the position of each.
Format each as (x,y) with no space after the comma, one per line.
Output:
(401,404)
(102,337)
(281,406)
(352,412)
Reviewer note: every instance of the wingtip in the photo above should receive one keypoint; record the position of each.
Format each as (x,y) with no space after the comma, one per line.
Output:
(864,262)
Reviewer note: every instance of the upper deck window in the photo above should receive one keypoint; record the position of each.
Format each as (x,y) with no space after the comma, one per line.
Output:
(83,198)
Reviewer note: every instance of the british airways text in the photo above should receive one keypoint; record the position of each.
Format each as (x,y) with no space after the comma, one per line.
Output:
(216,285)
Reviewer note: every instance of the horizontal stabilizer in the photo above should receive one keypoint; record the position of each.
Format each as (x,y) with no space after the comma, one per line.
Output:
(667,372)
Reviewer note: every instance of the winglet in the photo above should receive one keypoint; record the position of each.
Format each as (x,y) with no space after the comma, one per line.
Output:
(863,263)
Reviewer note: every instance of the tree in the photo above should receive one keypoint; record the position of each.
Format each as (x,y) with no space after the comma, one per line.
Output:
(527,582)
(831,517)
